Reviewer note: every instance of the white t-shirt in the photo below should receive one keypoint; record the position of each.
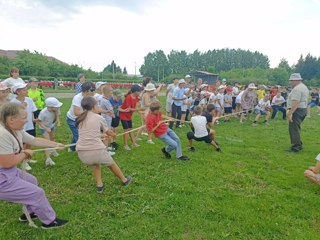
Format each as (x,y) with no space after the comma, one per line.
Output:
(48,118)
(212,98)
(9,145)
(203,102)
(235,91)
(219,99)
(239,97)
(98,98)
(76,101)
(106,105)
(200,126)
(170,89)
(190,100)
(278,100)
(184,106)
(30,108)
(9,82)
(262,105)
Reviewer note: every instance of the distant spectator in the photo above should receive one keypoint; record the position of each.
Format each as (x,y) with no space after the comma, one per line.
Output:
(37,96)
(81,79)
(14,78)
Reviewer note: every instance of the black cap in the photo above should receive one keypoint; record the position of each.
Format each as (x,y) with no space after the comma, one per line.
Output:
(136,88)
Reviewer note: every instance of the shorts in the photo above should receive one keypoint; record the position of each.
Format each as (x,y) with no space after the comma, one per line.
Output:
(207,139)
(32,132)
(169,107)
(312,104)
(92,157)
(183,112)
(44,131)
(126,124)
(257,111)
(247,110)
(228,110)
(115,122)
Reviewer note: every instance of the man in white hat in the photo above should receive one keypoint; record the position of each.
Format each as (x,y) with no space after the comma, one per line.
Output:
(297,110)
(177,98)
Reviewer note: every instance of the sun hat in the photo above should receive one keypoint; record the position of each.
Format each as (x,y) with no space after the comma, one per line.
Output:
(136,88)
(3,86)
(99,84)
(149,87)
(53,102)
(15,87)
(252,86)
(117,93)
(295,77)
(182,81)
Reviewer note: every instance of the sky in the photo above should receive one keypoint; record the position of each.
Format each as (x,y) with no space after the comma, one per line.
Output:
(93,33)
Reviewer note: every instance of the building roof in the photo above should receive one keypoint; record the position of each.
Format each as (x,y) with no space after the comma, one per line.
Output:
(204,73)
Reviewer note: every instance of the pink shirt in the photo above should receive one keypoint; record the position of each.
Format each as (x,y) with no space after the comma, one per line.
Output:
(90,132)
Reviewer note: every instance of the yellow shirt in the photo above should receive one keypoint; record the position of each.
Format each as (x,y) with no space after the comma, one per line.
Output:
(38,93)
(260,94)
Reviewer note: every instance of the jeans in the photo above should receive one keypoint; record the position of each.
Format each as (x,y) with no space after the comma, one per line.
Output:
(295,128)
(173,141)
(75,133)
(276,109)
(175,110)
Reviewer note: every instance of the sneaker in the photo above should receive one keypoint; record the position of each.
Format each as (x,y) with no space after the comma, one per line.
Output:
(218,150)
(111,153)
(111,148)
(135,145)
(192,149)
(150,141)
(165,153)
(144,134)
(183,158)
(23,217)
(100,189)
(28,168)
(265,122)
(115,145)
(254,124)
(49,162)
(54,153)
(180,126)
(32,161)
(126,147)
(217,122)
(55,224)
(129,179)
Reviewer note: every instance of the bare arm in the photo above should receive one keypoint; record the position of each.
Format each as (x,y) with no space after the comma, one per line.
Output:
(11,160)
(77,111)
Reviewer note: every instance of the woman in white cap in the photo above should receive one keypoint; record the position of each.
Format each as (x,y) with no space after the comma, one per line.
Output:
(4,92)
(47,120)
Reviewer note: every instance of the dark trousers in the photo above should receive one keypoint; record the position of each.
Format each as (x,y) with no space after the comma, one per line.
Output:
(175,110)
(276,109)
(295,128)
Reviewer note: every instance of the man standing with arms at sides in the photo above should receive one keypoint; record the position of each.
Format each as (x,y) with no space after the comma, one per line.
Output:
(81,79)
(297,110)
(169,94)
(178,98)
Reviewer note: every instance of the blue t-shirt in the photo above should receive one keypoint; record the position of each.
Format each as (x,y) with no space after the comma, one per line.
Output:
(178,93)
(116,105)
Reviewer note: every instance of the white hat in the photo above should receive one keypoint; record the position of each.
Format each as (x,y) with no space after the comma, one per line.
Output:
(3,86)
(99,84)
(204,85)
(221,87)
(187,76)
(252,86)
(53,102)
(224,80)
(295,77)
(182,81)
(150,87)
(15,87)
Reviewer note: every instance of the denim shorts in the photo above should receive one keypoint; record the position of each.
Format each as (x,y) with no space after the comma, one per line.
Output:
(44,131)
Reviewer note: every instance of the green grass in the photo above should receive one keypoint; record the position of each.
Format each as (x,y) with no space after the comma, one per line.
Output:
(253,190)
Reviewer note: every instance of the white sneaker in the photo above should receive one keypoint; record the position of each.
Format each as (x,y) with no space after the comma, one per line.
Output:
(150,141)
(110,148)
(111,153)
(126,147)
(49,162)
(138,139)
(144,133)
(28,168)
(32,161)
(54,153)
(136,145)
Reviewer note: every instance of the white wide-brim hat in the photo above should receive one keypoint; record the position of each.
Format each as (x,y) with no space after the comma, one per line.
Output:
(295,77)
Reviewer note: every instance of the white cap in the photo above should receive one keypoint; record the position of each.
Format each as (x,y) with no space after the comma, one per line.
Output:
(182,81)
(204,85)
(224,80)
(187,76)
(150,87)
(252,86)
(15,87)
(221,87)
(53,102)
(99,84)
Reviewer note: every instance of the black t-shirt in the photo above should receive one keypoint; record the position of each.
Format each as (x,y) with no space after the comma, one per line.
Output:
(208,116)
(315,98)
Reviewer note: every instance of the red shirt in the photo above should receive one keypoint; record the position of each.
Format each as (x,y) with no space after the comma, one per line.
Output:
(129,102)
(152,121)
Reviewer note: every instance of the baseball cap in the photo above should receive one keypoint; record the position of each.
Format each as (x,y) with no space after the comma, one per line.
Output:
(187,76)
(136,88)
(53,102)
(182,81)
(15,87)
(99,84)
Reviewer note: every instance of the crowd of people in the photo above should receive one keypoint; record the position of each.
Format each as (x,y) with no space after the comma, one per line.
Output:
(97,110)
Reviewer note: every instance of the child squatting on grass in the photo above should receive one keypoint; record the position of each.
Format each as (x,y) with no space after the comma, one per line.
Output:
(160,130)
(313,172)
(91,150)
(200,132)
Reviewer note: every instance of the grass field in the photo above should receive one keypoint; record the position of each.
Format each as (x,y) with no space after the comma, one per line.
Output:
(253,190)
